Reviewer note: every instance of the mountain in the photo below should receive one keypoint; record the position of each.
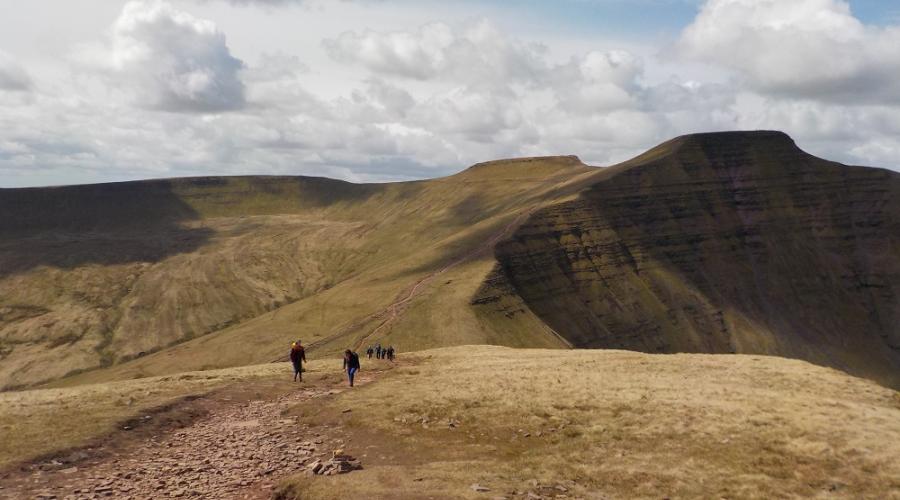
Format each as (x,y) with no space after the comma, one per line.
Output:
(718,243)
(92,276)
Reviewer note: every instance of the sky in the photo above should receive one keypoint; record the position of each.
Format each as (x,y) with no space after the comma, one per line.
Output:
(387,90)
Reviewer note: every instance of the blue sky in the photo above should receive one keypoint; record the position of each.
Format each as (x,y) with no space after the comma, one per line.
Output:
(103,90)
(877,12)
(639,18)
(623,18)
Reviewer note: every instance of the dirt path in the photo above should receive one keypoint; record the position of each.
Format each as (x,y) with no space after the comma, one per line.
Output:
(388,315)
(237,450)
(395,310)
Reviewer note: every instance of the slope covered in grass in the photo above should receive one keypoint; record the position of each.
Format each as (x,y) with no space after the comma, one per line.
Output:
(39,422)
(717,243)
(611,424)
(94,276)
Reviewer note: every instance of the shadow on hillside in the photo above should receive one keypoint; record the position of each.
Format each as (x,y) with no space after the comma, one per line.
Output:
(105,224)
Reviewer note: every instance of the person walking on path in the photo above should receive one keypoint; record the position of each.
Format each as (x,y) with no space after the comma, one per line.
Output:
(390,352)
(351,364)
(378,350)
(298,357)
(369,352)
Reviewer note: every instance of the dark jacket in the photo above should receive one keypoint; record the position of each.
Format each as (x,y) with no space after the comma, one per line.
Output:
(298,353)
(351,361)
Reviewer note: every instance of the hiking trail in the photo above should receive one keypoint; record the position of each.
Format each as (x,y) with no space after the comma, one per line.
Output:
(237,450)
(389,314)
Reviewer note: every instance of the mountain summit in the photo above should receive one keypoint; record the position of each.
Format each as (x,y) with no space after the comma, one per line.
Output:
(724,243)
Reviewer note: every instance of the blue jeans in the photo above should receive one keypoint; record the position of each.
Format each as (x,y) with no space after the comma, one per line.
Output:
(350,373)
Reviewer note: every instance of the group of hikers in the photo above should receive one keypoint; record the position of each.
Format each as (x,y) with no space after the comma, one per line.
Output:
(351,359)
(380,353)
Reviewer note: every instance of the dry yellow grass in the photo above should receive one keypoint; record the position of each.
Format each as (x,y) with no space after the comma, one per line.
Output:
(38,422)
(354,260)
(614,424)
(601,424)
(653,254)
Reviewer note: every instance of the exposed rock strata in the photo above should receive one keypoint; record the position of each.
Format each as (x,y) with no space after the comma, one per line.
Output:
(731,242)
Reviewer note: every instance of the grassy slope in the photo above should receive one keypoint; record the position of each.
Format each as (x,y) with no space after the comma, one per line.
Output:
(598,423)
(233,268)
(613,423)
(354,259)
(43,421)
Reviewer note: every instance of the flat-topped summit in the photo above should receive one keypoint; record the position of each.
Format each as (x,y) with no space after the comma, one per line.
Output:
(767,138)
(512,162)
(755,149)
(725,149)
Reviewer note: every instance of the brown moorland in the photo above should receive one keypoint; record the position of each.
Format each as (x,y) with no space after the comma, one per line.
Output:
(720,243)
(527,423)
(516,423)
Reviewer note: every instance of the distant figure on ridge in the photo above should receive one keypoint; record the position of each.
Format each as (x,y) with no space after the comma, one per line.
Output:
(298,357)
(369,352)
(378,350)
(390,353)
(351,364)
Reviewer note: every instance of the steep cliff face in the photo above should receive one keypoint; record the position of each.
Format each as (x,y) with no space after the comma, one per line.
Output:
(728,242)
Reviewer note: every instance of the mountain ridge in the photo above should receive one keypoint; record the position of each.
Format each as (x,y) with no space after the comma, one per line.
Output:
(242,263)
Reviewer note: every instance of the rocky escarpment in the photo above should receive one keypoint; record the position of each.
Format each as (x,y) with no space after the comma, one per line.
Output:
(720,243)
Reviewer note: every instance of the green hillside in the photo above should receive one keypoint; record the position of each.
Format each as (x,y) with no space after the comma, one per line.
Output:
(716,243)
(144,267)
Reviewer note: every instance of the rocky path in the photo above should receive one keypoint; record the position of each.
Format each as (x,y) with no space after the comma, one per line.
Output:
(389,315)
(395,310)
(236,451)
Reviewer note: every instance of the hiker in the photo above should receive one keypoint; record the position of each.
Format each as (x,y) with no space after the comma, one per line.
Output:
(298,357)
(369,352)
(390,352)
(378,350)
(351,364)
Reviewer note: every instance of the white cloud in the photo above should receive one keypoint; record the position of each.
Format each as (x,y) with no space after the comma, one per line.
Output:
(415,55)
(274,66)
(478,52)
(13,76)
(394,101)
(417,99)
(267,3)
(809,49)
(170,60)
(476,114)
(599,81)
(264,2)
